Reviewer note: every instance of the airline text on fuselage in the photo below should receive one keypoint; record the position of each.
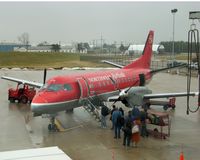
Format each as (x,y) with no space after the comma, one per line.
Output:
(106,77)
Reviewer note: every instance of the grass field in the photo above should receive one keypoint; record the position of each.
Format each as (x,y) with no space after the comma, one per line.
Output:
(180,56)
(60,60)
(42,60)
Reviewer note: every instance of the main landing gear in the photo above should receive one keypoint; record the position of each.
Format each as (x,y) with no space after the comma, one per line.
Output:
(69,110)
(52,126)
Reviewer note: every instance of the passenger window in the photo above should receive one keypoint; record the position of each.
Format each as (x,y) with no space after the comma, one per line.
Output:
(67,87)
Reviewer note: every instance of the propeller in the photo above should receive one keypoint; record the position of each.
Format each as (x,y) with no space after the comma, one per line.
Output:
(44,77)
(126,91)
(123,94)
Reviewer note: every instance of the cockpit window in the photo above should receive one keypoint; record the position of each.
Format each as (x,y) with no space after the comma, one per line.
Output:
(67,87)
(54,87)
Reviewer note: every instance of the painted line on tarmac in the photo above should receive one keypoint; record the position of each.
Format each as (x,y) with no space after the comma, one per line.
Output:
(72,128)
(62,129)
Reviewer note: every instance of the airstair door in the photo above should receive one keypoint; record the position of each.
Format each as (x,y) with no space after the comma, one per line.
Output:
(84,89)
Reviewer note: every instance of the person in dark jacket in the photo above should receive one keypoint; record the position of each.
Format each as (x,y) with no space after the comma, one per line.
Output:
(127,133)
(104,113)
(114,108)
(135,113)
(143,118)
(129,117)
(121,110)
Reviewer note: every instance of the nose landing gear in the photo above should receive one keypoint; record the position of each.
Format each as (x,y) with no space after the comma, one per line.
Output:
(52,127)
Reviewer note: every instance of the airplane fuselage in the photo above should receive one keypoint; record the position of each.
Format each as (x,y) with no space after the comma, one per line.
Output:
(67,92)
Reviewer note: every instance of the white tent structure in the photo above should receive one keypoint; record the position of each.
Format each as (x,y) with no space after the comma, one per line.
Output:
(138,48)
(48,153)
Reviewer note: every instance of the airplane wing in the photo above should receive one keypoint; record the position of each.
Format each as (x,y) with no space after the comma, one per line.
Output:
(136,96)
(30,83)
(158,95)
(112,63)
(167,95)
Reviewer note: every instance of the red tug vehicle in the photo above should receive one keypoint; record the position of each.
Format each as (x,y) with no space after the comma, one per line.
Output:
(23,94)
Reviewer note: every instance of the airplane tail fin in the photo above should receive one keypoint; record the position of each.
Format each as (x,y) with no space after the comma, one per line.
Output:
(144,61)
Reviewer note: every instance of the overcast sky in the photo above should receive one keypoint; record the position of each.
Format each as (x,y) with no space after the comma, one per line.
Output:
(86,21)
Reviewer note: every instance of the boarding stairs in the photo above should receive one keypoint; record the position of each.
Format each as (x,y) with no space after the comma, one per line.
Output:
(92,108)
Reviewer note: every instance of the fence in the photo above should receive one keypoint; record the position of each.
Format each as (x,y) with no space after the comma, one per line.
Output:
(123,60)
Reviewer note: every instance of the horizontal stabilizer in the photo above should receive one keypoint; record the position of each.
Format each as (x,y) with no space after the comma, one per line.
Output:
(112,63)
(167,68)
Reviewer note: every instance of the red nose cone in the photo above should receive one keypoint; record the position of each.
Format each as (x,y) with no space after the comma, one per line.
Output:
(39,99)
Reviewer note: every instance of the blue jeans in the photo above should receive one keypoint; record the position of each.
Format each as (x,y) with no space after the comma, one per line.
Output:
(117,130)
(126,140)
(103,121)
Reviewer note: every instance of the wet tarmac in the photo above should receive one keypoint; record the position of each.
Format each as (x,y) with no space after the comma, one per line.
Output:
(85,139)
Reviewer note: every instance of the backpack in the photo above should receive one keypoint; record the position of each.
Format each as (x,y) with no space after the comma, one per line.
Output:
(105,111)
(120,120)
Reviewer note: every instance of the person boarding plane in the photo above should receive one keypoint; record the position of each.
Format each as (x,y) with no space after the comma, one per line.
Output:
(66,92)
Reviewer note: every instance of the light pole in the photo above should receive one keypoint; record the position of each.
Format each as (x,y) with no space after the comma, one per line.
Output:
(173,11)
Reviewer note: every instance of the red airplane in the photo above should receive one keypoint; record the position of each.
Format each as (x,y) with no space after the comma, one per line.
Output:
(125,84)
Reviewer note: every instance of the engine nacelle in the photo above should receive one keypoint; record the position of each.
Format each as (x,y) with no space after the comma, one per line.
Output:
(136,95)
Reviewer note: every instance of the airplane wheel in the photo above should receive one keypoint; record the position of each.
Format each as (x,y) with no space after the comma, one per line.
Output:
(24,99)
(155,132)
(165,107)
(12,100)
(173,107)
(49,127)
(69,110)
(52,127)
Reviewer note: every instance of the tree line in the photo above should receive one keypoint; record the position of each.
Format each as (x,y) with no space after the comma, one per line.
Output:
(179,46)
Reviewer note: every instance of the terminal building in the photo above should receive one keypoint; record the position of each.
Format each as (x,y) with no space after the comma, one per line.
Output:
(138,49)
(9,47)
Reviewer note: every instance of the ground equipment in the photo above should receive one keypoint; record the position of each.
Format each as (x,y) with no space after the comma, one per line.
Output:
(159,124)
(22,93)
(166,104)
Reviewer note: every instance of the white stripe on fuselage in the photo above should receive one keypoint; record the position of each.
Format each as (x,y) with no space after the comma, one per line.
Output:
(60,106)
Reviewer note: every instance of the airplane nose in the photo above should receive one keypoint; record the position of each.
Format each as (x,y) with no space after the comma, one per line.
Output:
(35,107)
(38,104)
(39,99)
